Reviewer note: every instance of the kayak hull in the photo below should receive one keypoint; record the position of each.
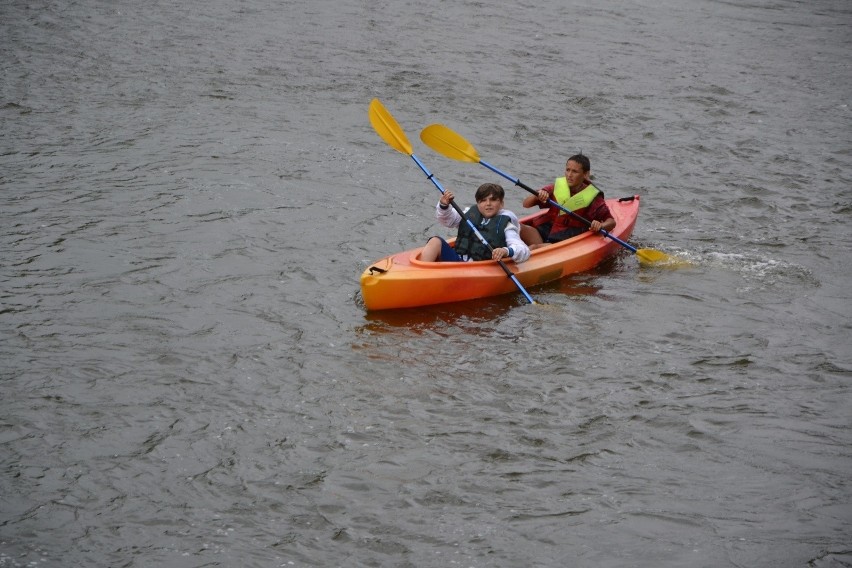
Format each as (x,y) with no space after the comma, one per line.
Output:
(401,280)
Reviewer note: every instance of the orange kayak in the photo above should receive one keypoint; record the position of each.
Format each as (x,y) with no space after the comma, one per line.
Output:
(402,280)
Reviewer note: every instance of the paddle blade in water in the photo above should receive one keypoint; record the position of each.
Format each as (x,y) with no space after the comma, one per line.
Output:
(449,143)
(387,127)
(652,256)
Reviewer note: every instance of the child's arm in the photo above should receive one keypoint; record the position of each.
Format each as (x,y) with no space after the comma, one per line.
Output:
(520,250)
(447,217)
(540,198)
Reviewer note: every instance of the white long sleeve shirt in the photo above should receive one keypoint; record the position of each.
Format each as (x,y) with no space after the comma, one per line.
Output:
(450,218)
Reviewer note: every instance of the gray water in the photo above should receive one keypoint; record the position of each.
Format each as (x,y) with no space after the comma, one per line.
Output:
(189,192)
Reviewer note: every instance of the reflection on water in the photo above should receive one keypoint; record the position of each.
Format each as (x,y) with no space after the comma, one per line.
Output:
(474,311)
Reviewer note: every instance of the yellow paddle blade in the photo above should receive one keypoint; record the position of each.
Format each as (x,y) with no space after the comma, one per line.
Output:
(449,143)
(652,256)
(387,127)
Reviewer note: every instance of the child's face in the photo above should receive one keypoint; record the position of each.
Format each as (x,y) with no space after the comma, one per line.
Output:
(489,206)
(574,174)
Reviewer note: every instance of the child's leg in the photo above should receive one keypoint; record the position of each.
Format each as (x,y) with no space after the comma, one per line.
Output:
(432,250)
(530,235)
(437,249)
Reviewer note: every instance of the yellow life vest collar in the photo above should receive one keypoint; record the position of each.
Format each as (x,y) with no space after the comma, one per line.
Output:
(562,194)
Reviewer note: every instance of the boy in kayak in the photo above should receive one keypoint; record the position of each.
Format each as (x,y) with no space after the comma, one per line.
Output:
(576,193)
(499,226)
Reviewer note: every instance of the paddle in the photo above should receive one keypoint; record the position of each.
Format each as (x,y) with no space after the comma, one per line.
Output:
(386,126)
(452,145)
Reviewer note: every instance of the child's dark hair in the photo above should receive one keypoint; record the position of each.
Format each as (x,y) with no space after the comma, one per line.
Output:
(490,190)
(581,159)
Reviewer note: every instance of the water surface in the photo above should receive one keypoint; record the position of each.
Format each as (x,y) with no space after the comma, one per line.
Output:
(189,193)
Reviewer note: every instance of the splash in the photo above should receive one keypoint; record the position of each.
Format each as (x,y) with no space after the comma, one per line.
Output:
(761,271)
